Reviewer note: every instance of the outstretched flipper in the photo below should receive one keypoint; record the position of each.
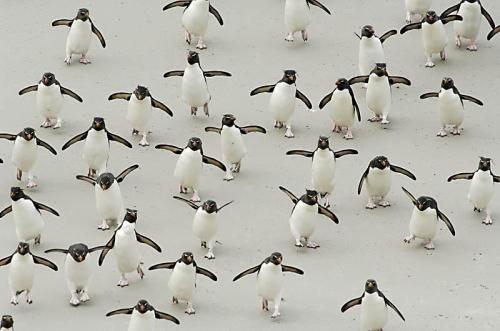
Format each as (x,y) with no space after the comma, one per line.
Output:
(388,34)
(40,206)
(87,179)
(125,173)
(75,139)
(471,99)
(124,311)
(213,11)
(452,9)
(207,273)
(178,73)
(120,95)
(98,34)
(290,194)
(247,272)
(345,152)
(172,148)
(263,89)
(351,303)
(215,73)
(430,95)
(189,202)
(399,80)
(70,93)
(45,262)
(493,32)
(157,104)
(166,265)
(145,240)
(328,213)
(213,129)
(411,26)
(390,304)
(287,268)
(299,95)
(8,136)
(117,138)
(326,99)
(358,79)
(109,246)
(180,3)
(214,162)
(451,18)
(159,315)
(402,171)
(320,5)
(300,152)
(63,21)
(252,128)
(32,88)
(5,211)
(462,175)
(446,221)
(42,143)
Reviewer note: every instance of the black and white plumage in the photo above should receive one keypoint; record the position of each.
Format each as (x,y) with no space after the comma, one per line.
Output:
(143,316)
(298,17)
(371,51)
(7,323)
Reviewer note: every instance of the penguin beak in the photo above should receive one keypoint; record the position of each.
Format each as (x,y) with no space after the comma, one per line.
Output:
(80,258)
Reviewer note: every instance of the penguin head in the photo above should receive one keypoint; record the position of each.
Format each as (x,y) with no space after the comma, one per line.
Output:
(141,92)
(380,162)
(380,69)
(193,57)
(23,248)
(290,76)
(367,31)
(105,180)
(424,202)
(48,79)
(16,193)
(311,197)
(447,83)
(194,143)
(484,163)
(323,143)
(187,258)
(431,17)
(98,124)
(209,206)
(28,134)
(130,215)
(371,286)
(276,258)
(143,306)
(228,120)
(342,84)
(83,14)
(78,252)
(7,322)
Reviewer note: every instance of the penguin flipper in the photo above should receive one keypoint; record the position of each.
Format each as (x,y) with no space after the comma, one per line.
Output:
(120,95)
(172,148)
(446,221)
(213,11)
(125,311)
(252,128)
(328,213)
(320,5)
(450,10)
(326,99)
(45,262)
(224,205)
(247,272)
(180,3)
(358,79)
(97,248)
(290,195)
(145,240)
(213,129)
(351,303)
(117,138)
(299,95)
(8,136)
(5,211)
(471,99)
(411,26)
(57,250)
(70,93)
(5,260)
(42,143)
(157,104)
(125,173)
(488,17)
(287,268)
(189,202)
(362,180)
(75,139)
(388,34)
(496,179)
(87,179)
(451,18)
(412,198)
(345,152)
(207,273)
(493,32)
(173,73)
(263,89)
(109,245)
(462,175)
(98,33)
(429,95)
(402,171)
(31,88)
(63,22)
(300,152)
(214,162)
(399,80)
(390,304)
(166,265)
(40,206)
(164,316)
(215,73)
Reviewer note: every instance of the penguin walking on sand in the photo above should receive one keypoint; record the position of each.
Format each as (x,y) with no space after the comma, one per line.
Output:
(371,51)
(205,223)
(108,197)
(433,34)
(233,147)
(139,112)
(424,220)
(416,7)
(7,323)
(323,168)
(80,35)
(96,148)
(194,88)
(303,217)
(182,282)
(190,164)
(378,93)
(282,101)
(143,316)
(493,32)
(125,245)
(22,271)
(378,179)
(25,153)
(49,99)
(27,215)
(270,280)
(451,106)
(195,19)
(471,11)
(298,17)
(78,270)
(481,188)
(344,108)
(373,307)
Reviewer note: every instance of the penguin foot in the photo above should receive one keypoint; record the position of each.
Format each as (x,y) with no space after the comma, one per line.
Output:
(429,64)
(190,309)
(265,305)
(441,133)
(38,239)
(84,296)
(74,300)
(478,210)
(312,244)
(429,246)
(458,42)
(210,255)
(67,60)
(487,221)
(289,133)
(140,271)
(187,37)
(195,197)
(472,47)
(442,54)
(304,35)
(375,119)
(371,205)
(384,203)
(409,239)
(123,282)
(46,124)
(135,132)
(58,124)
(143,142)
(348,136)
(84,60)
(385,121)
(28,298)
(408,18)
(201,44)
(456,131)
(175,300)
(104,226)
(13,300)
(289,37)
(193,111)
(337,129)
(276,314)
(205,109)
(31,184)
(278,124)
(299,244)
(228,177)
(203,244)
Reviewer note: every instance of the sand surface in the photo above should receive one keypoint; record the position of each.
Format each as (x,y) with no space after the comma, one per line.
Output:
(455,287)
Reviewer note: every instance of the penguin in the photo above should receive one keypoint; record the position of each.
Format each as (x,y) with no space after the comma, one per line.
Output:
(373,307)
(481,189)
(298,17)
(471,11)
(194,88)
(189,165)
(140,105)
(80,32)
(22,271)
(25,153)
(433,34)
(451,106)
(195,19)
(233,147)
(344,108)
(49,99)
(96,148)
(143,316)
(282,101)
(302,219)
(371,51)
(378,93)
(125,243)
(205,223)
(493,32)
(108,197)
(424,220)
(378,179)
(7,323)
(182,282)
(78,270)
(416,7)
(27,215)
(324,161)
(270,280)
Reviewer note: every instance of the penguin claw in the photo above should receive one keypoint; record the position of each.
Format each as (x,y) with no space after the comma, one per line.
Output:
(276,314)
(430,64)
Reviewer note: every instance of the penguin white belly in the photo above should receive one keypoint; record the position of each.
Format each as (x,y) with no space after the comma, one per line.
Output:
(341,110)
(139,113)
(434,37)
(370,53)
(24,154)
(302,220)
(195,18)
(79,37)
(182,281)
(141,322)
(29,222)
(188,168)
(21,272)
(126,251)
(233,147)
(378,95)
(481,189)
(282,102)
(77,273)
(378,182)
(469,27)
(205,225)
(451,110)
(297,15)
(418,6)
(109,203)
(49,101)
(373,312)
(96,150)
(270,281)
(423,224)
(194,87)
(323,171)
